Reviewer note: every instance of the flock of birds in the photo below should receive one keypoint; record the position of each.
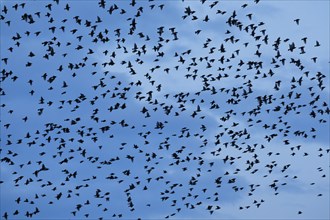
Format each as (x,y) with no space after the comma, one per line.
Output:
(113,112)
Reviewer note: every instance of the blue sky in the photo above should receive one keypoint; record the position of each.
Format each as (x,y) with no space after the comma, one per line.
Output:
(181,161)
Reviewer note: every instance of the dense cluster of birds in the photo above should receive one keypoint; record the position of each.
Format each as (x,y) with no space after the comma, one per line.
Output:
(133,108)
